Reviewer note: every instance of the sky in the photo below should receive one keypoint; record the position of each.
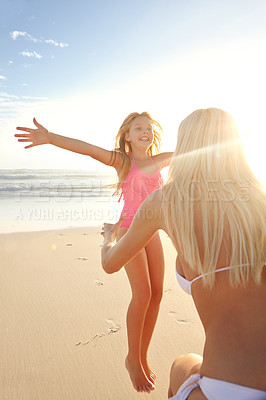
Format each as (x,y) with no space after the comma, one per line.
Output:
(81,67)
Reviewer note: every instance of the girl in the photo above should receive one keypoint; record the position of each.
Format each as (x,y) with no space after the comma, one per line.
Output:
(138,167)
(213,209)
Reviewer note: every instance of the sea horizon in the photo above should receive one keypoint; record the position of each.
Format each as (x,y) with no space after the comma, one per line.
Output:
(44,199)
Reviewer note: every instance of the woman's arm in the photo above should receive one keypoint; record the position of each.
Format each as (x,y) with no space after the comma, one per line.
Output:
(41,136)
(146,222)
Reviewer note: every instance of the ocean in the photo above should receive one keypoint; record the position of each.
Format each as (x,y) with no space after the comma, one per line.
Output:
(44,199)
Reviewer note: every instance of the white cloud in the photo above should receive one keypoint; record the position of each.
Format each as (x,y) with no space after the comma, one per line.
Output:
(34,98)
(15,34)
(13,107)
(3,78)
(56,44)
(8,96)
(11,97)
(31,54)
(10,62)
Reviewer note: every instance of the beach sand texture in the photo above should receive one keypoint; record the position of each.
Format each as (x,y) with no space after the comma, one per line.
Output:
(63,320)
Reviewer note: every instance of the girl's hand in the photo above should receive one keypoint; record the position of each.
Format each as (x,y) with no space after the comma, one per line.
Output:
(36,136)
(110,231)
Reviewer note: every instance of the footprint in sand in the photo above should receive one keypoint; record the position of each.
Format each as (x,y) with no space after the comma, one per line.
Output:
(82,258)
(113,328)
(96,338)
(97,282)
(69,244)
(179,320)
(92,341)
(169,291)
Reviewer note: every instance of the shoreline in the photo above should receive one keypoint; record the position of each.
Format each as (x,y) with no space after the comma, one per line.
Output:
(32,215)
(53,230)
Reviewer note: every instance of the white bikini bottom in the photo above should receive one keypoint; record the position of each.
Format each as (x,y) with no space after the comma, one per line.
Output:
(215,389)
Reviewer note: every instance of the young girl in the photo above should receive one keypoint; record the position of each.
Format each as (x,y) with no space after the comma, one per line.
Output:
(138,170)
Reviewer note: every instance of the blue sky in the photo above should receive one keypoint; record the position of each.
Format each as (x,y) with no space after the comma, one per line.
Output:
(80,67)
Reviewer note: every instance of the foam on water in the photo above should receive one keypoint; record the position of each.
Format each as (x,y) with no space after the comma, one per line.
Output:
(51,199)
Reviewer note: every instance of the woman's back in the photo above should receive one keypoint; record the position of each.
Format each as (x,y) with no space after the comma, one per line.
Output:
(235,324)
(234,318)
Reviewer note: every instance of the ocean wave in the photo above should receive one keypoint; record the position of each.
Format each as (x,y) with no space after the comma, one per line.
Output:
(54,183)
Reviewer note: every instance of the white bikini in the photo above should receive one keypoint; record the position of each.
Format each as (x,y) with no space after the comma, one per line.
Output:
(214,389)
(186,285)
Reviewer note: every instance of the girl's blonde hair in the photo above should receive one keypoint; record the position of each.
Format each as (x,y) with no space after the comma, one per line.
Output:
(123,147)
(212,190)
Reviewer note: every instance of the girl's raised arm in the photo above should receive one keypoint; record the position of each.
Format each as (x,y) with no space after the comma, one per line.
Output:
(146,222)
(41,136)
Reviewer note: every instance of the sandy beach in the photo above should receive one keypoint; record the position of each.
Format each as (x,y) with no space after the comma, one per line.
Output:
(63,320)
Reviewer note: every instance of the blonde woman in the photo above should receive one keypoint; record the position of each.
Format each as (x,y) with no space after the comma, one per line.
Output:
(213,209)
(138,162)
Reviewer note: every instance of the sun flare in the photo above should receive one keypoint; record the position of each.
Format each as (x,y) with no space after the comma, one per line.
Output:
(255,150)
(253,137)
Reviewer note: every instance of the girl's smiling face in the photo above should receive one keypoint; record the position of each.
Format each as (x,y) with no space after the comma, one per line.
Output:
(140,133)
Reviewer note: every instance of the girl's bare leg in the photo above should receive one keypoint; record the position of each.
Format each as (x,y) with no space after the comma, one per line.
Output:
(155,257)
(138,275)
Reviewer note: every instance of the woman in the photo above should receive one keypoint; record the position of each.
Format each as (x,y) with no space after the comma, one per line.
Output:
(213,209)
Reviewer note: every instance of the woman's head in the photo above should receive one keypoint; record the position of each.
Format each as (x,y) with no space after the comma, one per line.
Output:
(209,146)
(212,193)
(207,127)
(143,120)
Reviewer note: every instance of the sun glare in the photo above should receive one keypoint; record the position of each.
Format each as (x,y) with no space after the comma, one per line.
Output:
(255,149)
(253,136)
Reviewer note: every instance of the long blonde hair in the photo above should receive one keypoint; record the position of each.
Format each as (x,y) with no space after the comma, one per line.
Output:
(123,147)
(209,152)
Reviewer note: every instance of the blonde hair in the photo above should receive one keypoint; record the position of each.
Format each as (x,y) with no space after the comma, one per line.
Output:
(209,152)
(123,147)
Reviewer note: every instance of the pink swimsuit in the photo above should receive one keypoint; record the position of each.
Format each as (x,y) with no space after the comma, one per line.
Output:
(135,188)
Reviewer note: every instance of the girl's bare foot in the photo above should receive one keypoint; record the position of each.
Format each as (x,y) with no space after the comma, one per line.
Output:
(149,373)
(138,377)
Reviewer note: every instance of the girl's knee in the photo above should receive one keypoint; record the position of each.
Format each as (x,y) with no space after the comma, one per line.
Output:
(142,297)
(156,296)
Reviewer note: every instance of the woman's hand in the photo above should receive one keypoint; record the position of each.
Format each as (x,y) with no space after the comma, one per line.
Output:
(110,231)
(36,136)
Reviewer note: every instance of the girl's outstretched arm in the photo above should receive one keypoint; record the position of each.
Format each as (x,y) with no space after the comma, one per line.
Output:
(146,222)
(41,135)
